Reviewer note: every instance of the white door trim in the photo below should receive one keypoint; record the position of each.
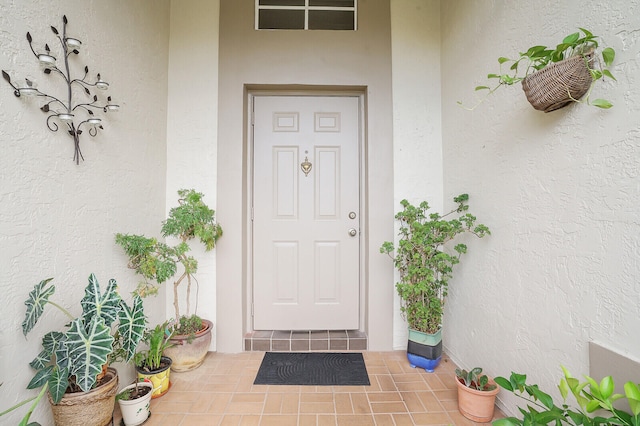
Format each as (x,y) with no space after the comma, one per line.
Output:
(347,92)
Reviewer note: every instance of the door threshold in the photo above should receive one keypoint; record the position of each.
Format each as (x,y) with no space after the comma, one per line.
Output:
(305,341)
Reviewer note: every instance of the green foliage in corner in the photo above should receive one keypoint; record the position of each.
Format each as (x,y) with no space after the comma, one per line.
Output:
(594,402)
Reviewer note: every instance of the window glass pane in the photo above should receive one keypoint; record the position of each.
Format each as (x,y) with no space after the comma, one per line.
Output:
(330,20)
(331,3)
(281,19)
(281,3)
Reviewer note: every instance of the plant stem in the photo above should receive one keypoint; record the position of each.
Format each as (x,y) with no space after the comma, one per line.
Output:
(62,309)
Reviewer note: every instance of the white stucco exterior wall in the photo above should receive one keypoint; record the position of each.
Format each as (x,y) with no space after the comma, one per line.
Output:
(559,192)
(58,219)
(192,131)
(417,121)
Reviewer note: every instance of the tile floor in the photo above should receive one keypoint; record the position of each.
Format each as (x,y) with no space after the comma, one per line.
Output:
(304,341)
(221,392)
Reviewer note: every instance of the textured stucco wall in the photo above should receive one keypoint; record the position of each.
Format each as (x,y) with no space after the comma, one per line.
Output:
(417,122)
(559,192)
(192,130)
(57,219)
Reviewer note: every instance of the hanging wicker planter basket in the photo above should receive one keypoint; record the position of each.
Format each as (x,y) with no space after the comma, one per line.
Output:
(558,84)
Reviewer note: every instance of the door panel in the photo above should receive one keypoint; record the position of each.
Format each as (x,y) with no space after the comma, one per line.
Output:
(306,183)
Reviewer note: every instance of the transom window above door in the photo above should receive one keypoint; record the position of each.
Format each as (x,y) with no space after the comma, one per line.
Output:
(306,15)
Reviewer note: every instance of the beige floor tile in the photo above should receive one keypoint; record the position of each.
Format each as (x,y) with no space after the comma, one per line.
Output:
(431,418)
(279,420)
(388,407)
(326,420)
(413,402)
(411,386)
(355,420)
(316,397)
(244,408)
(360,403)
(383,420)
(250,420)
(384,396)
(248,397)
(317,408)
(200,420)
(402,419)
(290,403)
(273,403)
(343,403)
(230,420)
(386,382)
(307,420)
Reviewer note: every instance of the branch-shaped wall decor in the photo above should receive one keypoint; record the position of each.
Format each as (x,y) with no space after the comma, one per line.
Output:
(67,110)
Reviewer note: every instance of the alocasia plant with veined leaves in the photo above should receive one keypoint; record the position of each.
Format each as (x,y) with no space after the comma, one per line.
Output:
(71,360)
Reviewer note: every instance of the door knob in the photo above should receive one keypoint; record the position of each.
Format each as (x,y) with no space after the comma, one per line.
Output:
(353,232)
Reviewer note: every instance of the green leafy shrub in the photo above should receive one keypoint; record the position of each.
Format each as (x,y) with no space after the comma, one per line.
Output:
(157,261)
(425,268)
(595,402)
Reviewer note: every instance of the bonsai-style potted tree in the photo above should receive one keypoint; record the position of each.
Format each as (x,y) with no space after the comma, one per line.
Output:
(476,395)
(595,402)
(72,368)
(151,364)
(425,268)
(554,77)
(157,261)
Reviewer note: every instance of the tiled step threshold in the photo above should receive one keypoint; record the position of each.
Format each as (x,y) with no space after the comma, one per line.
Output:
(305,341)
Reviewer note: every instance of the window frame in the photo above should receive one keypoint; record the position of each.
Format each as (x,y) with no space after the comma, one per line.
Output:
(306,8)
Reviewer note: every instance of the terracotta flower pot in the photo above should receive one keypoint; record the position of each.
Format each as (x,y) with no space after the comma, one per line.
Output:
(476,405)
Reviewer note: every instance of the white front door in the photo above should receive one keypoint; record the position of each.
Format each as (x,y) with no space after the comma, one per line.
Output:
(306,215)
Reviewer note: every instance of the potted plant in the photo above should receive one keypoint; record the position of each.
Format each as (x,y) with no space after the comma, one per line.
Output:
(425,269)
(134,401)
(151,364)
(476,394)
(158,261)
(72,368)
(554,77)
(595,402)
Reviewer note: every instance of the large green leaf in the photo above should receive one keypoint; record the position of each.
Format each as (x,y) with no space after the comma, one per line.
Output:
(104,305)
(132,326)
(58,383)
(50,342)
(88,348)
(632,391)
(38,297)
(41,377)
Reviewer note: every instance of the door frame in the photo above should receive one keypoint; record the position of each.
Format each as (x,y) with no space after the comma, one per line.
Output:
(360,94)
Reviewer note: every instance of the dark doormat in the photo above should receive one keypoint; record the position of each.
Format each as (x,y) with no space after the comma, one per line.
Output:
(312,368)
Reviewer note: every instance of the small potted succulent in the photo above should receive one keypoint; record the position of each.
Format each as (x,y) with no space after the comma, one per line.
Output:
(425,263)
(476,394)
(555,77)
(157,262)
